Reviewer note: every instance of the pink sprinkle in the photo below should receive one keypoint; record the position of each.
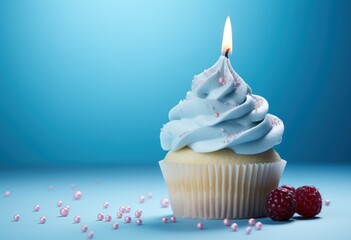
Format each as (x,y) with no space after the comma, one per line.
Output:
(90,234)
(252,222)
(7,193)
(327,202)
(139,221)
(119,215)
(258,225)
(77,195)
(248,230)
(108,218)
(59,203)
(105,205)
(137,214)
(122,209)
(141,199)
(173,219)
(200,226)
(67,207)
(164,220)
(216,114)
(140,210)
(127,219)
(36,208)
(64,212)
(149,195)
(226,222)
(127,209)
(164,202)
(100,217)
(42,220)
(115,225)
(84,228)
(16,218)
(221,80)
(76,219)
(234,227)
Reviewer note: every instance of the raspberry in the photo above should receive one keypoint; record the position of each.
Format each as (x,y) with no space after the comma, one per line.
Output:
(290,188)
(280,204)
(309,201)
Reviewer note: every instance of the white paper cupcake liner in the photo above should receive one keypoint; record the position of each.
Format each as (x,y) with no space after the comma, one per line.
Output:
(218,191)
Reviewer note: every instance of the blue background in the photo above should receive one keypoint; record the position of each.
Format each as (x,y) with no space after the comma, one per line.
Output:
(91,82)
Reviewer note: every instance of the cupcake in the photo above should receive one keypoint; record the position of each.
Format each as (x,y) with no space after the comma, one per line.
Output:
(220,138)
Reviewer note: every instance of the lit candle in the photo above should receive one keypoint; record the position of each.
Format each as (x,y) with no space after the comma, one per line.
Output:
(227,46)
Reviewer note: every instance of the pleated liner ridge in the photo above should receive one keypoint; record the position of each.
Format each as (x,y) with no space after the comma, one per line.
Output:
(218,191)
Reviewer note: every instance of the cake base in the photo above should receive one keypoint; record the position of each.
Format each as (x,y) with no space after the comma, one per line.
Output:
(210,190)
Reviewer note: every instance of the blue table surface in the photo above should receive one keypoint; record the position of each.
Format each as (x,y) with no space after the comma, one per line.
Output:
(123,186)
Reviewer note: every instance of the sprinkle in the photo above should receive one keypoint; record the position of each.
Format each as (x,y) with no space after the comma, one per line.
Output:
(59,203)
(222,81)
(252,221)
(234,227)
(141,199)
(7,193)
(164,220)
(84,228)
(16,217)
(119,215)
(76,219)
(248,230)
(216,114)
(327,202)
(108,218)
(139,221)
(173,219)
(122,209)
(258,225)
(115,225)
(77,195)
(127,208)
(137,214)
(36,208)
(105,205)
(226,222)
(90,234)
(100,217)
(164,203)
(42,220)
(64,211)
(200,226)
(149,195)
(127,219)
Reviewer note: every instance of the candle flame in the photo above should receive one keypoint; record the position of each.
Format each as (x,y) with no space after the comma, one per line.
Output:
(227,38)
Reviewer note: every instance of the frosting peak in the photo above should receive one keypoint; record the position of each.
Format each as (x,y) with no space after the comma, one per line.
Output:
(220,112)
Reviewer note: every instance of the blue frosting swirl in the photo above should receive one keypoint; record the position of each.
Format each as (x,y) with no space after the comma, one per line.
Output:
(220,112)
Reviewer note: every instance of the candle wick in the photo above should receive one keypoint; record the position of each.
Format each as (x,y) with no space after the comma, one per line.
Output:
(226,52)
